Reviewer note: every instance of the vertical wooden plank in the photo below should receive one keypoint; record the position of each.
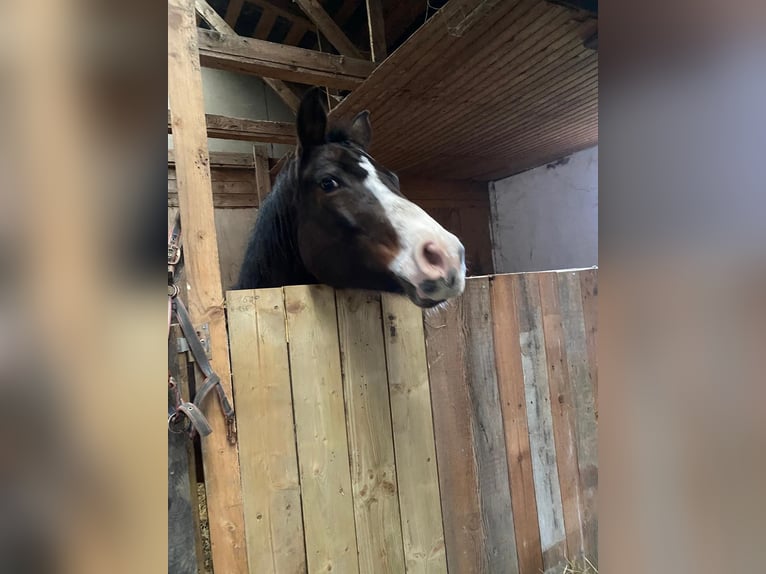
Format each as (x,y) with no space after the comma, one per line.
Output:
(320,429)
(377,29)
(368,419)
(589,290)
(262,177)
(414,446)
(474,460)
(457,466)
(488,435)
(563,413)
(269,466)
(585,419)
(205,296)
(510,378)
(539,418)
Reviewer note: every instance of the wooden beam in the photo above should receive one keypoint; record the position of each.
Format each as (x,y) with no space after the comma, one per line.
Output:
(220,25)
(203,275)
(227,128)
(222,159)
(376,27)
(329,28)
(233,11)
(265,24)
(267,59)
(262,178)
(295,35)
(280,11)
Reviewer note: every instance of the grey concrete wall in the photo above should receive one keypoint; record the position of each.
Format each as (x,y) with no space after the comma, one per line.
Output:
(547,218)
(241,96)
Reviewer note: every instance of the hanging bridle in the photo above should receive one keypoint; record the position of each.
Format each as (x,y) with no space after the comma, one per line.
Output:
(184,416)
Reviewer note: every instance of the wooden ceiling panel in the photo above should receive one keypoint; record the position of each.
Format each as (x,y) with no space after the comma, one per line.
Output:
(515,88)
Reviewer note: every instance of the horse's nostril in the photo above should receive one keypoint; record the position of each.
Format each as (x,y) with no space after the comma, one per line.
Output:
(432,255)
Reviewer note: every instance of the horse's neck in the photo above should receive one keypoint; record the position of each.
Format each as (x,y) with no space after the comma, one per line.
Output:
(272,258)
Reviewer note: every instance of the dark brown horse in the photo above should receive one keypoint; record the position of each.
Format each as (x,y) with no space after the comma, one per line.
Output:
(336,216)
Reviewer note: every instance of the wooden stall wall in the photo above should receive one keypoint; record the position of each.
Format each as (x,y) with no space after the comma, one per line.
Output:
(461,207)
(377,438)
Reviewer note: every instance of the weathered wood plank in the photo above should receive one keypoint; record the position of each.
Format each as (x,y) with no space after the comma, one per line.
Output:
(488,435)
(212,17)
(265,24)
(563,413)
(585,419)
(327,26)
(262,177)
(589,290)
(413,431)
(269,467)
(222,159)
(368,420)
(320,429)
(205,296)
(510,378)
(539,418)
(458,473)
(289,63)
(377,29)
(242,129)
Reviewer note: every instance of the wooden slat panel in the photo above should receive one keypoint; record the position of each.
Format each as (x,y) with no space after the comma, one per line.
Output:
(269,466)
(539,418)
(585,419)
(262,58)
(413,432)
(510,378)
(368,420)
(320,428)
(205,298)
(563,413)
(473,471)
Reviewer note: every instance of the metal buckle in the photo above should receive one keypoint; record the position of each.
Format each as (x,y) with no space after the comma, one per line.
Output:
(174,254)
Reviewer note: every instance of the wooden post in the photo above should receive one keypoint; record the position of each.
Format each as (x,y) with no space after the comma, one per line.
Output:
(205,296)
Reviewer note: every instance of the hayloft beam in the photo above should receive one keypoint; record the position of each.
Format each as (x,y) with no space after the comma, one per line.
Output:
(233,11)
(227,128)
(220,25)
(329,28)
(203,278)
(376,27)
(265,24)
(267,59)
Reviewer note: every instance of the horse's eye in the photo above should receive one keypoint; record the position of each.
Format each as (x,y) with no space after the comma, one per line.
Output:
(329,184)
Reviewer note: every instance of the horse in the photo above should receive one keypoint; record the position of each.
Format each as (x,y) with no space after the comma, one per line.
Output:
(338,217)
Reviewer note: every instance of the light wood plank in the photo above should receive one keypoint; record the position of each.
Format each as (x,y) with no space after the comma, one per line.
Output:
(327,26)
(320,429)
(377,29)
(488,435)
(269,466)
(589,290)
(228,128)
(222,159)
(289,63)
(510,378)
(563,413)
(585,419)
(368,420)
(212,17)
(539,418)
(413,431)
(205,296)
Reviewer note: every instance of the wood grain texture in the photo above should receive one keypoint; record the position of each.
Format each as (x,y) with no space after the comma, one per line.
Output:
(413,432)
(582,391)
(288,63)
(323,453)
(473,471)
(539,419)
(510,378)
(563,413)
(205,296)
(228,128)
(262,176)
(327,26)
(368,420)
(269,467)
(214,20)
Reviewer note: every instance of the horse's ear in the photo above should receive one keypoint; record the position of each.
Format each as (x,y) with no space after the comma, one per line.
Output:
(312,120)
(360,131)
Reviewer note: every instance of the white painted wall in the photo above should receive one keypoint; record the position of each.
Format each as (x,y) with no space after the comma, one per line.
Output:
(241,96)
(547,218)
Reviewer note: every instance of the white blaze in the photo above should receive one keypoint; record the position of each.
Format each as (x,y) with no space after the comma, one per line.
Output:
(414,228)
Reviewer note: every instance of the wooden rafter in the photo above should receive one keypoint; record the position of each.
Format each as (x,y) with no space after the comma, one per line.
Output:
(376,27)
(265,24)
(222,159)
(233,11)
(227,128)
(220,25)
(329,28)
(267,59)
